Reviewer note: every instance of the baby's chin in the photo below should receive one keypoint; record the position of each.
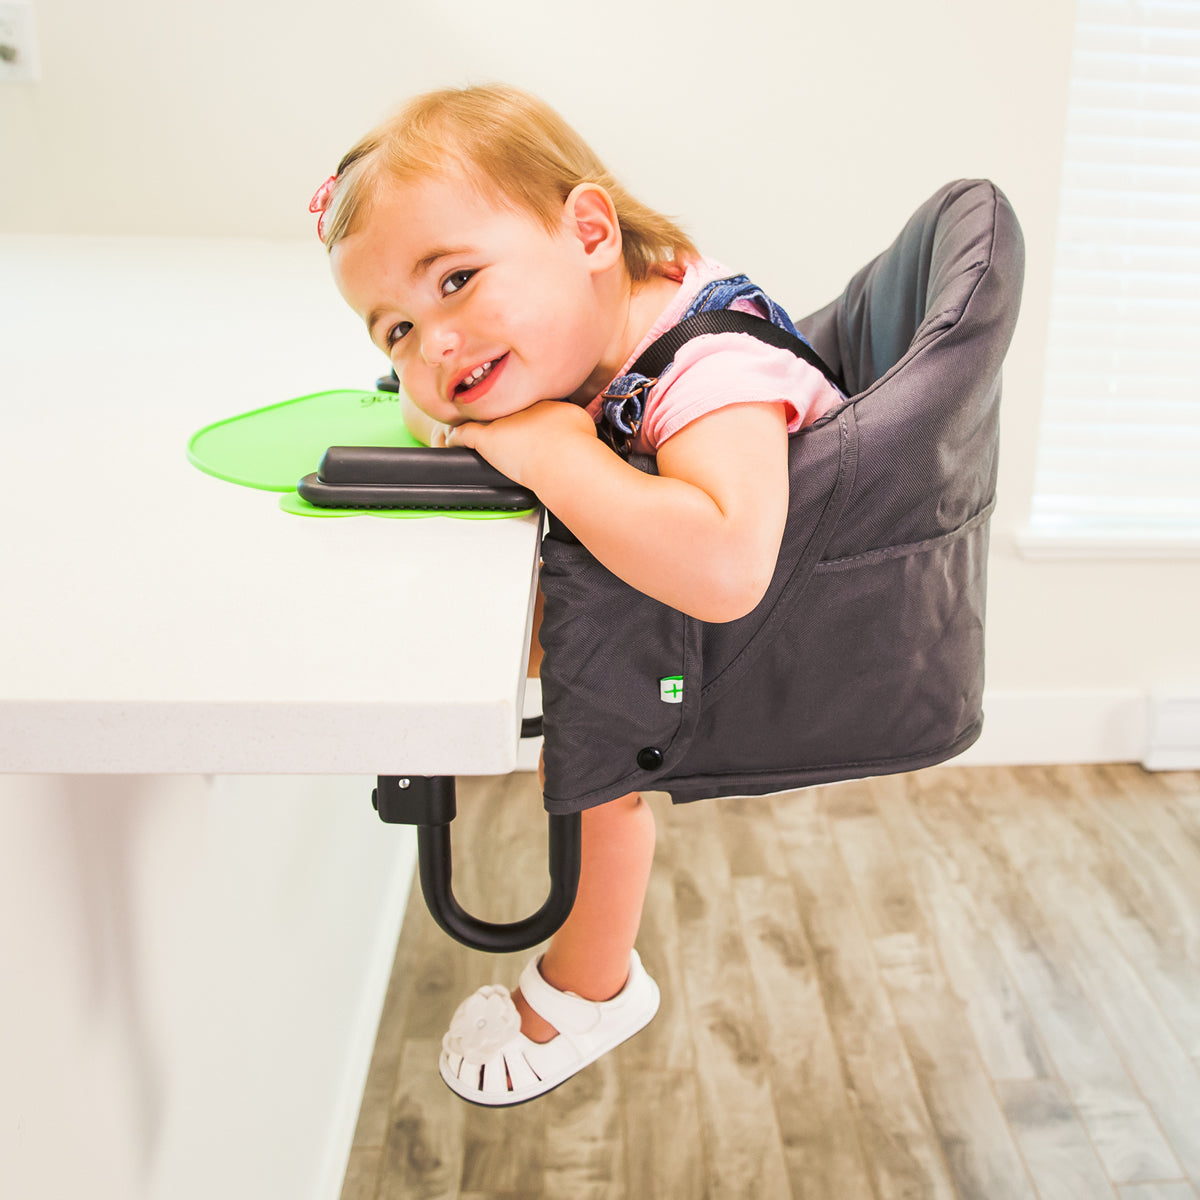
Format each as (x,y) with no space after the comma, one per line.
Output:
(439,416)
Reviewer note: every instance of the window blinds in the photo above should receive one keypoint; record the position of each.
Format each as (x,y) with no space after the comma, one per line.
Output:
(1118,466)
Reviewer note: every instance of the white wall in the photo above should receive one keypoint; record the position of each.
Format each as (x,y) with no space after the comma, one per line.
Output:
(792,144)
(793,140)
(191,981)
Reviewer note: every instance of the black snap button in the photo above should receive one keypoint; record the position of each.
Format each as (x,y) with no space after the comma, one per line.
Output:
(650,759)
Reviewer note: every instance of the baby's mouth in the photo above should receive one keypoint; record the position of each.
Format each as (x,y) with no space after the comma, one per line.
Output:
(477,376)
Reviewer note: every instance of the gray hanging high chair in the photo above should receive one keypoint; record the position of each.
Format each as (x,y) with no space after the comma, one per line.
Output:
(865,657)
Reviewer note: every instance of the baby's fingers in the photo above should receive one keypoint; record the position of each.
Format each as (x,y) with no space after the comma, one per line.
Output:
(440,437)
(463,435)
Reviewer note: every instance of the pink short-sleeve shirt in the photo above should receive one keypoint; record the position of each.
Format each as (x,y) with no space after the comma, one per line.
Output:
(716,370)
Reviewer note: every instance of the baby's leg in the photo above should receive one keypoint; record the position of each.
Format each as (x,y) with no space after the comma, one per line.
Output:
(535,641)
(484,1059)
(589,955)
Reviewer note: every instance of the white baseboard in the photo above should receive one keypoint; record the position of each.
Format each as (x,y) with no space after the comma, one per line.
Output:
(1022,727)
(1173,741)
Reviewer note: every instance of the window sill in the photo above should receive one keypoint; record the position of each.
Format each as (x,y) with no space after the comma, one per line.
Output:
(1076,542)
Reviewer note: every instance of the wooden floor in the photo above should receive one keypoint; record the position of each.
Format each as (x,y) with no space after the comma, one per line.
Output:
(967,982)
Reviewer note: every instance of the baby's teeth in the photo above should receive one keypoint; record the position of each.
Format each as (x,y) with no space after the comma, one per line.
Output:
(477,374)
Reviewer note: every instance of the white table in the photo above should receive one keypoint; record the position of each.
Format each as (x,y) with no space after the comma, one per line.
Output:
(158,620)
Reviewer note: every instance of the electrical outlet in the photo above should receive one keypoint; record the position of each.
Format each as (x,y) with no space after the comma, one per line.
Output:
(18,43)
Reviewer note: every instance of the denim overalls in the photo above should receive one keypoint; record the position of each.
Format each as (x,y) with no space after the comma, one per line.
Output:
(623,401)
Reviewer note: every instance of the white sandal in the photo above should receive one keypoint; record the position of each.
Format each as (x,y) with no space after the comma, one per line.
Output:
(487,1060)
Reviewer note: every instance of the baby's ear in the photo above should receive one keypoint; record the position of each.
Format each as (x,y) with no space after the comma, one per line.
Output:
(591,215)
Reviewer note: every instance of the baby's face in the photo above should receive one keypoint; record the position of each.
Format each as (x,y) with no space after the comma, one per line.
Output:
(481,310)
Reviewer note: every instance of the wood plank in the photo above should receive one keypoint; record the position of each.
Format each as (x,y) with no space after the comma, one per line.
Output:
(982,1158)
(1052,1138)
(663,1150)
(441,974)
(742,1140)
(900,1147)
(361,1181)
(423,1153)
(980,1153)
(748,835)
(840,969)
(884,892)
(949,807)
(1185,785)
(1146,886)
(1148,807)
(665,1154)
(1183,788)
(371,1129)
(1168,1190)
(500,848)
(584,1130)
(503,1149)
(1045,849)
(820,1136)
(963,931)
(1181,804)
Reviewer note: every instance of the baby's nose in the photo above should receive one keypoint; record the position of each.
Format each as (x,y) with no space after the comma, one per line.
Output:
(438,343)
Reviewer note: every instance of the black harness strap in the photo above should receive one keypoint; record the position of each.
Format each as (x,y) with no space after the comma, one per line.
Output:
(655,358)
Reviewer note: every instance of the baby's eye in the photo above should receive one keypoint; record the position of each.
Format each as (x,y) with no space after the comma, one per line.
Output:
(455,282)
(395,333)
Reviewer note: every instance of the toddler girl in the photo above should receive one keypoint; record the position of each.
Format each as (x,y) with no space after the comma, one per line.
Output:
(513,282)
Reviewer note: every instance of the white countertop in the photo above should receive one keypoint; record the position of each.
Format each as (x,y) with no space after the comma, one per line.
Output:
(156,619)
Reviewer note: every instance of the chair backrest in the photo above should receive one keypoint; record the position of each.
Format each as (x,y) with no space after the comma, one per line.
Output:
(866,654)
(919,334)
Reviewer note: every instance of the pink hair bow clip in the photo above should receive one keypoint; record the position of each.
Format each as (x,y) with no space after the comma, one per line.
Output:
(320,203)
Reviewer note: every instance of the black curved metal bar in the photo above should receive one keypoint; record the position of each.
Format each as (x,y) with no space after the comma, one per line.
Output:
(428,802)
(433,857)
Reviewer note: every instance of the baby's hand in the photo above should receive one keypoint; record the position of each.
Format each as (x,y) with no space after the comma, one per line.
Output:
(517,444)
(439,435)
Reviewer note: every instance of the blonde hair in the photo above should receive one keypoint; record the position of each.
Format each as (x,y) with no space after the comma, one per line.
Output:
(506,138)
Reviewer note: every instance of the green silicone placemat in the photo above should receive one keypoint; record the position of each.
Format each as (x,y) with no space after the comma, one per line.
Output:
(273,448)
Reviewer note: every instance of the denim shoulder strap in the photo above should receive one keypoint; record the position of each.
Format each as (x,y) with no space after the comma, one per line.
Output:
(709,312)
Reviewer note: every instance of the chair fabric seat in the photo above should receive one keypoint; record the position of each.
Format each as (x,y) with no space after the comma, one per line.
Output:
(865,656)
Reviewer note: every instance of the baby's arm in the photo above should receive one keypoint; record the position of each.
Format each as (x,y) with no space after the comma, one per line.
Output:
(702,536)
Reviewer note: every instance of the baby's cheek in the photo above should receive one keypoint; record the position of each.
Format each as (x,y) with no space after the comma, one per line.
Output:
(427,399)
